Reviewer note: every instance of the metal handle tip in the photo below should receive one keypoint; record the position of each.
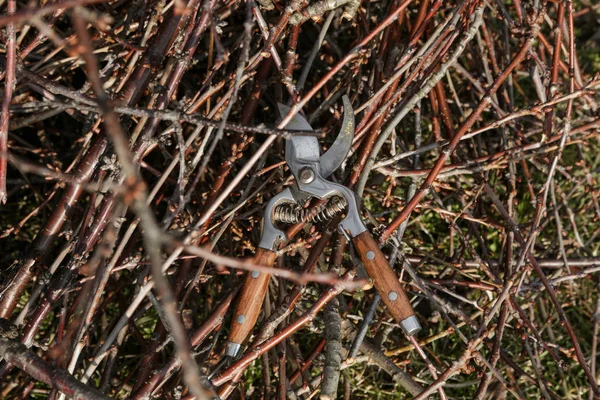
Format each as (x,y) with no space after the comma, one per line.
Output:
(410,325)
(233,349)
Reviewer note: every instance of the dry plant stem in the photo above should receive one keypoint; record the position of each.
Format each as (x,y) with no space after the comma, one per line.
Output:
(315,50)
(495,356)
(238,77)
(87,302)
(141,78)
(282,361)
(370,141)
(430,366)
(473,117)
(290,61)
(329,279)
(111,362)
(578,353)
(153,237)
(494,161)
(472,348)
(214,320)
(352,54)
(386,363)
(456,366)
(194,118)
(316,9)
(190,49)
(158,337)
(26,14)
(160,332)
(94,303)
(540,206)
(192,36)
(44,239)
(288,303)
(535,110)
(333,350)
(121,324)
(594,351)
(240,142)
(364,328)
(25,359)
(276,31)
(548,120)
(400,234)
(406,61)
(276,59)
(208,6)
(390,87)
(303,365)
(10,81)
(382,138)
(535,363)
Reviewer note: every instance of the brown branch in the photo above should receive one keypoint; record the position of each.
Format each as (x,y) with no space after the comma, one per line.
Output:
(473,117)
(25,359)
(9,85)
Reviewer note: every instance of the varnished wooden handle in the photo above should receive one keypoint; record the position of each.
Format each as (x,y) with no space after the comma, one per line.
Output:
(383,276)
(251,298)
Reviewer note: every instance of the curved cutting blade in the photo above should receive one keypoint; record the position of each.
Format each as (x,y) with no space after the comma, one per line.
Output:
(335,156)
(298,123)
(307,147)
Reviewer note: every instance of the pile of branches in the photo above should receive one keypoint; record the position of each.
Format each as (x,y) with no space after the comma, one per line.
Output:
(137,152)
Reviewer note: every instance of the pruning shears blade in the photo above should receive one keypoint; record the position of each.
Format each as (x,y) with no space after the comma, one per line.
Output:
(308,149)
(298,123)
(337,153)
(299,148)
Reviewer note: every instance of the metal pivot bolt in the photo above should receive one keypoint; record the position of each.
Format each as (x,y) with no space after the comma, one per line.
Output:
(306,175)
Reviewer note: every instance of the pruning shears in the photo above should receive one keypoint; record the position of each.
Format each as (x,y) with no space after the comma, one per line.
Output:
(310,170)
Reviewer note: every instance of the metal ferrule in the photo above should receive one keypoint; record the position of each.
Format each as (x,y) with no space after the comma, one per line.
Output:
(410,325)
(232,349)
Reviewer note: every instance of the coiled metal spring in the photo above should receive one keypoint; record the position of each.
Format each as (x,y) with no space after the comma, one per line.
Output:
(289,213)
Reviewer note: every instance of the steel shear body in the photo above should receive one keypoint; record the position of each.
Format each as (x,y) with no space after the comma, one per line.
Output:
(310,170)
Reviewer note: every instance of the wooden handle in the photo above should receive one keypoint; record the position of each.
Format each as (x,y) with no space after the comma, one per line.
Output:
(251,298)
(383,276)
